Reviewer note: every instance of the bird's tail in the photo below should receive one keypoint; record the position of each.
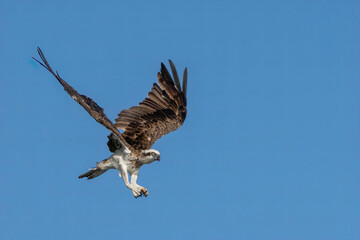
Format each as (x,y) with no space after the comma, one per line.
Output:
(93,173)
(97,171)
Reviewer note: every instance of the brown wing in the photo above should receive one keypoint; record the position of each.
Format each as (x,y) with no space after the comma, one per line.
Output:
(87,103)
(163,111)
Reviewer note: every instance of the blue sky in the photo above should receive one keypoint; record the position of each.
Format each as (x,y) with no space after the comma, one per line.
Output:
(270,147)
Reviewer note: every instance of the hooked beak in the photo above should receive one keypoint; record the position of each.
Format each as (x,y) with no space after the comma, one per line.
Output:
(157,158)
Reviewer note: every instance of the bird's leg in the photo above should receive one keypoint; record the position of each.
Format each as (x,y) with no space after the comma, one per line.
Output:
(123,173)
(142,190)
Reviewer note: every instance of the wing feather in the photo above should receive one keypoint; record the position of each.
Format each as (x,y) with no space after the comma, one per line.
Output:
(175,75)
(185,82)
(163,111)
(87,103)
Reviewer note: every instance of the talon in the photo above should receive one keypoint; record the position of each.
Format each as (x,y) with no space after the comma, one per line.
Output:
(136,194)
(139,191)
(145,192)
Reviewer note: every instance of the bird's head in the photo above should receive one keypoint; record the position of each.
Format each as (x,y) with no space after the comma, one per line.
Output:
(149,156)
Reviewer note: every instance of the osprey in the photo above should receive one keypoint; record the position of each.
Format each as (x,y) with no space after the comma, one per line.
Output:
(163,111)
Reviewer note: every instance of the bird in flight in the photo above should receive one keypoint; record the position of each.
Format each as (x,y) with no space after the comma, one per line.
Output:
(162,111)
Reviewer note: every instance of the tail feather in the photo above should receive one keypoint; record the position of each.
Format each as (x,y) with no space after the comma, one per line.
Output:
(93,173)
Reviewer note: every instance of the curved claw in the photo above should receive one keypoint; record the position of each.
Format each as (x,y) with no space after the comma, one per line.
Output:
(139,195)
(139,191)
(144,192)
(136,193)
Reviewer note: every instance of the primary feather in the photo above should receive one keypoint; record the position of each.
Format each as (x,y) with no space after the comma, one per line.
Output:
(163,111)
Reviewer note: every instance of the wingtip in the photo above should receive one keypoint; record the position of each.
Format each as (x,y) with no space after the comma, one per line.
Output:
(175,75)
(185,81)
(185,73)
(39,50)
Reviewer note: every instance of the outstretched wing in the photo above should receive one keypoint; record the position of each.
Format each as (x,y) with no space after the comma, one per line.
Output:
(87,103)
(163,111)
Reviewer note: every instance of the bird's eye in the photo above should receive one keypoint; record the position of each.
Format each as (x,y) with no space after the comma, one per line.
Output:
(153,154)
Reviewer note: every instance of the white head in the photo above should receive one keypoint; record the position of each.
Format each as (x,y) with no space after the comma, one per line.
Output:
(149,156)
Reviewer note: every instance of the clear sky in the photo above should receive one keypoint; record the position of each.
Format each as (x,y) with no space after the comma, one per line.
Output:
(270,149)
